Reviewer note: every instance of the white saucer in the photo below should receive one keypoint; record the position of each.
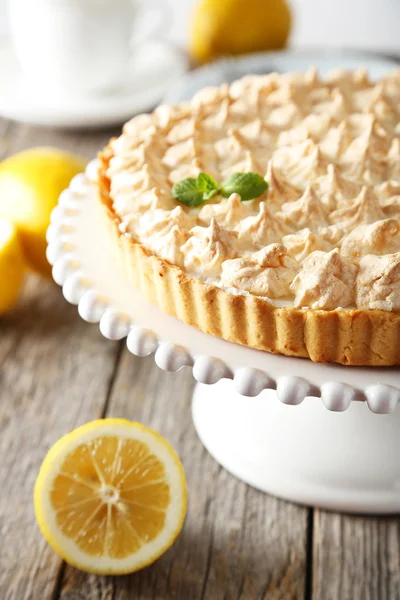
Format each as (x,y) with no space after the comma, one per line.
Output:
(150,76)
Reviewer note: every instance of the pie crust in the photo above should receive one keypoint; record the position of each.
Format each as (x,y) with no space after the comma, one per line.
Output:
(351,336)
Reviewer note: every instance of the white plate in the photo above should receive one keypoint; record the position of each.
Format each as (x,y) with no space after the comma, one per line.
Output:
(149,78)
(266,62)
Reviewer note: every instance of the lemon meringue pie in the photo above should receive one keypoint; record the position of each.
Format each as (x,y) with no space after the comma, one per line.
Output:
(309,268)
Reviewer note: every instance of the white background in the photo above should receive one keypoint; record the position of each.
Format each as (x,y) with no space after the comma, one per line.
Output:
(365,24)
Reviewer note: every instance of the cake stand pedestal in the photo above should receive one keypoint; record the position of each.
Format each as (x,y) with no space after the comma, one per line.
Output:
(318,434)
(343,461)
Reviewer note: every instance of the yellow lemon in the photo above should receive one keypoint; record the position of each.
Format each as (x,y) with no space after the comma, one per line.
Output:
(111,497)
(11,266)
(30,184)
(238,26)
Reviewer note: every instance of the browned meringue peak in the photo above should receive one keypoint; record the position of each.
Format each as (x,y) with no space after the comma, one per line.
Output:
(378,282)
(307,211)
(182,152)
(326,281)
(136,130)
(279,189)
(334,140)
(300,164)
(252,86)
(249,164)
(246,156)
(391,207)
(290,92)
(262,229)
(313,127)
(131,206)
(283,117)
(182,130)
(381,237)
(216,120)
(393,160)
(297,88)
(300,244)
(335,189)
(188,159)
(363,165)
(384,107)
(267,272)
(228,211)
(367,133)
(348,80)
(308,78)
(388,189)
(332,235)
(258,134)
(365,157)
(141,164)
(340,105)
(134,190)
(167,115)
(391,85)
(207,248)
(206,99)
(255,99)
(232,156)
(389,197)
(364,208)
(169,246)
(160,222)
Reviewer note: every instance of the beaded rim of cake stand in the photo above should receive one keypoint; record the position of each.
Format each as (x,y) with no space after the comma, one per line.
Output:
(95,307)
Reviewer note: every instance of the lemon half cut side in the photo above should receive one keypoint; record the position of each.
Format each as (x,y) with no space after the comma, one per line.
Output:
(111,497)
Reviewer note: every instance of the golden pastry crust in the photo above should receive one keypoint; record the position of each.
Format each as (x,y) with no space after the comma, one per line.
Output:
(346,336)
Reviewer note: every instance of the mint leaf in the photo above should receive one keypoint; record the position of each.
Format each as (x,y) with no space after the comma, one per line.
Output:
(247,185)
(209,185)
(194,192)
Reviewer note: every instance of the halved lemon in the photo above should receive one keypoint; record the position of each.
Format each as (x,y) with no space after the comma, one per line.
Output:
(111,497)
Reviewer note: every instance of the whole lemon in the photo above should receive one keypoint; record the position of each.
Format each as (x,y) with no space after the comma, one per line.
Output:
(30,185)
(12,266)
(237,27)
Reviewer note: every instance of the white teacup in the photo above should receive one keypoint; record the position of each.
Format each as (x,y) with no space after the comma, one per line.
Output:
(81,46)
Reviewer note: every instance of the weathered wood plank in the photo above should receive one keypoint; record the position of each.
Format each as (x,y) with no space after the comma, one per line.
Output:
(55,374)
(237,543)
(356,558)
(15,137)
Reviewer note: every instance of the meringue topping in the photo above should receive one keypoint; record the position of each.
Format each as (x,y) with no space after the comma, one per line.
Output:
(268,272)
(207,248)
(378,282)
(326,281)
(381,237)
(328,226)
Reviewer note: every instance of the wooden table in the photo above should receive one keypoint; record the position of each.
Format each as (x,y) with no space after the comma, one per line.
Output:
(58,372)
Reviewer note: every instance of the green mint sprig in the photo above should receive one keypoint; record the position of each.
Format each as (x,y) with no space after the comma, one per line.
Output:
(247,185)
(194,192)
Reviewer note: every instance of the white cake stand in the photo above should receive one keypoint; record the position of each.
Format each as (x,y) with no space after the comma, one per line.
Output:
(337,446)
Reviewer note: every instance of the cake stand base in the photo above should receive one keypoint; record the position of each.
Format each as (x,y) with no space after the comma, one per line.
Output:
(345,461)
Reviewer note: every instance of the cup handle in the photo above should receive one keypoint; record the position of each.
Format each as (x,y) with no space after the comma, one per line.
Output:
(145,28)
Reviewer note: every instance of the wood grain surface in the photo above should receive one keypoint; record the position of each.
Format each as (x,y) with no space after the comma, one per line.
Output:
(57,372)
